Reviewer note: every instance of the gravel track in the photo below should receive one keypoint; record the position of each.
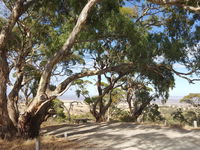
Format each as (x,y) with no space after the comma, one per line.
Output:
(129,136)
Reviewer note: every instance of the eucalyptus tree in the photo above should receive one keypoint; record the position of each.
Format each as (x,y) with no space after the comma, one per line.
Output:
(29,127)
(19,8)
(49,44)
(108,93)
(139,95)
(192,99)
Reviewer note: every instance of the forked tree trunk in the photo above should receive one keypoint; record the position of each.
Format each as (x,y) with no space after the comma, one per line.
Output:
(136,112)
(29,123)
(100,118)
(101,115)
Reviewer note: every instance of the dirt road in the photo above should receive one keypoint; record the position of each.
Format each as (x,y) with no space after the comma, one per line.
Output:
(129,136)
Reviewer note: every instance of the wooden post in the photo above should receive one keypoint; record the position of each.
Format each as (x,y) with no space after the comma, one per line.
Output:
(195,124)
(108,117)
(165,123)
(37,143)
(65,135)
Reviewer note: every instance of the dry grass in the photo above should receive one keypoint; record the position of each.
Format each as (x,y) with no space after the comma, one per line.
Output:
(47,143)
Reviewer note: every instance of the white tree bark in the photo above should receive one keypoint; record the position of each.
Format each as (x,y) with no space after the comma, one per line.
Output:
(65,51)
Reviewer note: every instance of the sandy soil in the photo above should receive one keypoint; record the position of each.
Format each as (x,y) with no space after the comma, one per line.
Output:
(127,136)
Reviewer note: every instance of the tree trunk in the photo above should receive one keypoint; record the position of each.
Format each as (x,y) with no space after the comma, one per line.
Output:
(7,129)
(136,114)
(13,97)
(138,111)
(13,111)
(29,123)
(129,99)
(100,118)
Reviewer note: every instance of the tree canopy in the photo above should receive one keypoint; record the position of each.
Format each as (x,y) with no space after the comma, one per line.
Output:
(192,99)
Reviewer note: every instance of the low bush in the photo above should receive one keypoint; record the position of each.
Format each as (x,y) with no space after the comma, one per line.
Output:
(185,117)
(152,114)
(58,114)
(178,116)
(190,117)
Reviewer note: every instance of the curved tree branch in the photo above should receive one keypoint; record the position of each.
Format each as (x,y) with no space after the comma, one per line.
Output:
(65,51)
(119,69)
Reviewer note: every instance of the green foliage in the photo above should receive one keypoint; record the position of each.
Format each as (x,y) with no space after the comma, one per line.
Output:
(143,96)
(127,11)
(57,105)
(82,116)
(90,100)
(192,99)
(178,115)
(117,95)
(152,113)
(81,87)
(126,117)
(187,117)
(122,115)
(118,114)
(190,117)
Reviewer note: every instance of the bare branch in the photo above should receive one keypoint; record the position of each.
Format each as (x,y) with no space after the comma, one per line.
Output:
(179,3)
(119,69)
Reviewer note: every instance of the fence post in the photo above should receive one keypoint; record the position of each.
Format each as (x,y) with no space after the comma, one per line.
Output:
(195,123)
(165,123)
(65,135)
(37,143)
(108,117)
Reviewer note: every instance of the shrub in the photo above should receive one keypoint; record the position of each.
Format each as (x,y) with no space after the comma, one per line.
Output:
(126,117)
(178,116)
(119,114)
(57,105)
(190,117)
(152,113)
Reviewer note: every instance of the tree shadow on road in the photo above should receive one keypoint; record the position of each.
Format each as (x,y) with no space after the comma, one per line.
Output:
(117,136)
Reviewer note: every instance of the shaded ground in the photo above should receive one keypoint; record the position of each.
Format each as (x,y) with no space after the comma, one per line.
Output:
(128,136)
(110,136)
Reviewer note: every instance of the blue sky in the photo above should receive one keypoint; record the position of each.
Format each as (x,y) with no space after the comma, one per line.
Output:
(182,87)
